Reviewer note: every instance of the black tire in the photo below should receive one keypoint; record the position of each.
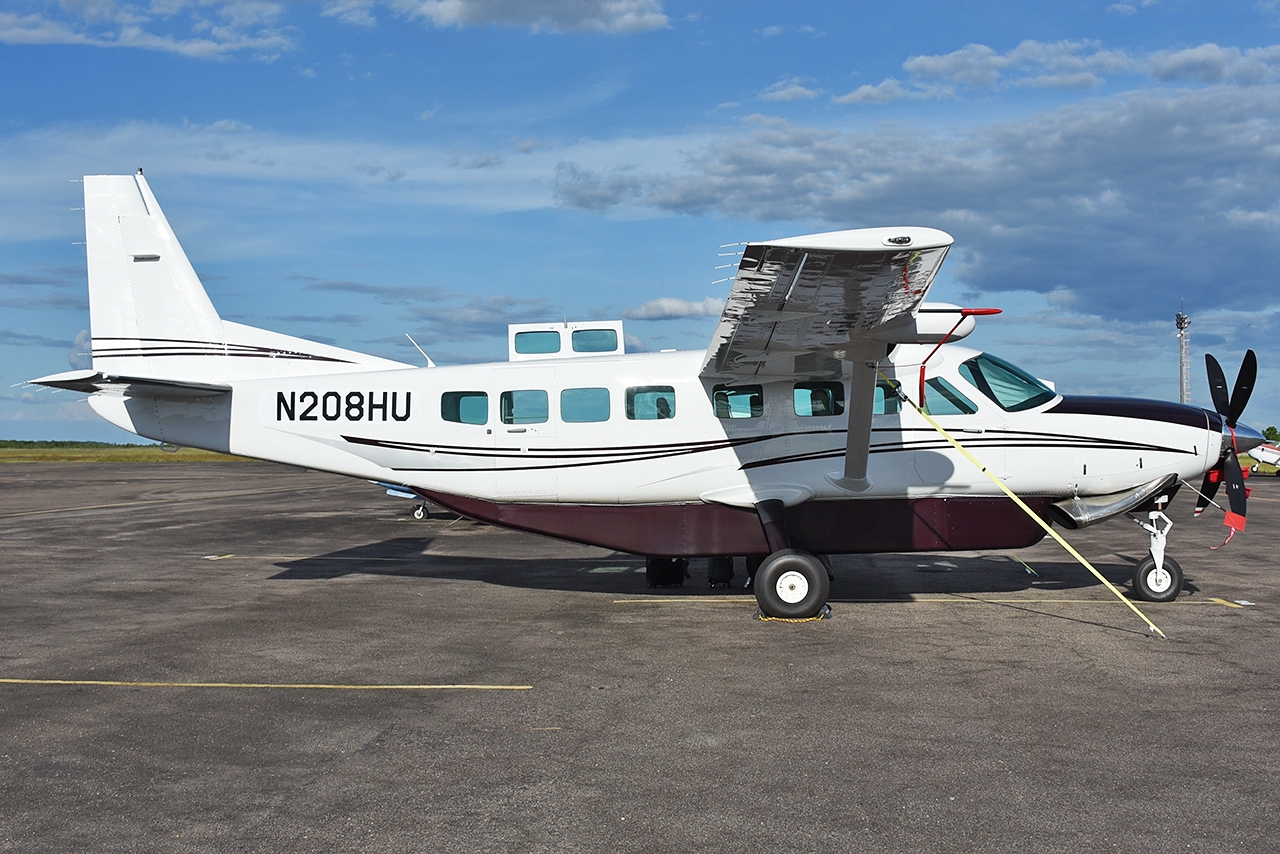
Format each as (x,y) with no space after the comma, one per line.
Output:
(791,584)
(1151,585)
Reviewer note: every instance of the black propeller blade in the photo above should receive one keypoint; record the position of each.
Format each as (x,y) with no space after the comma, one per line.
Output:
(1236,493)
(1228,468)
(1244,387)
(1217,385)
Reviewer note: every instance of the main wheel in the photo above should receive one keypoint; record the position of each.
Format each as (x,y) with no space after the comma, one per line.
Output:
(420,511)
(1157,585)
(791,584)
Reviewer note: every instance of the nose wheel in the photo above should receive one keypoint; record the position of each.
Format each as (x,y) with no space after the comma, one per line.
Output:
(1157,578)
(1155,583)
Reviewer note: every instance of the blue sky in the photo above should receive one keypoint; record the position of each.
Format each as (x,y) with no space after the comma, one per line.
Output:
(353,170)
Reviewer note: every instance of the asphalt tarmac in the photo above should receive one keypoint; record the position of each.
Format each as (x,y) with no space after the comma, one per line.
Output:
(954,702)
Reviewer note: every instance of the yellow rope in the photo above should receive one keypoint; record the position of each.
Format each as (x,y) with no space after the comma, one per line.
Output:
(1018,501)
(824,614)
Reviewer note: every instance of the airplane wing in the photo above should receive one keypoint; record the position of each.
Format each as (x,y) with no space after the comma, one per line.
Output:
(803,306)
(798,304)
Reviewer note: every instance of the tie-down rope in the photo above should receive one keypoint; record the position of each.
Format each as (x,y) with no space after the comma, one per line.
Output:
(1018,501)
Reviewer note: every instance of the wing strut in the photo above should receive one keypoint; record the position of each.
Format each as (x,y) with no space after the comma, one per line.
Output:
(862,396)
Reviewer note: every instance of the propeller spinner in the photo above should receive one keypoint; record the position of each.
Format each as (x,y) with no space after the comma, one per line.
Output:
(1228,469)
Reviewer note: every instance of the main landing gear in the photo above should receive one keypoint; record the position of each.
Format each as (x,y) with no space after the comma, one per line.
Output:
(789,583)
(1157,578)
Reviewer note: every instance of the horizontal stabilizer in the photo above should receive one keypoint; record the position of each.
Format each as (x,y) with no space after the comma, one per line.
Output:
(95,381)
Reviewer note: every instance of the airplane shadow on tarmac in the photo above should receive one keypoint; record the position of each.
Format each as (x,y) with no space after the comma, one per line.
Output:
(882,577)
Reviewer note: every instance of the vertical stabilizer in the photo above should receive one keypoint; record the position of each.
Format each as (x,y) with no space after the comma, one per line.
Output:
(145,299)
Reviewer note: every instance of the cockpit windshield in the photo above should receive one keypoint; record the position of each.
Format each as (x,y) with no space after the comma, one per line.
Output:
(1012,388)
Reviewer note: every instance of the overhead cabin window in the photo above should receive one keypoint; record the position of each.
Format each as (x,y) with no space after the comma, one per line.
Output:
(942,398)
(887,401)
(651,402)
(581,405)
(739,401)
(819,399)
(530,343)
(593,340)
(1012,388)
(526,406)
(465,407)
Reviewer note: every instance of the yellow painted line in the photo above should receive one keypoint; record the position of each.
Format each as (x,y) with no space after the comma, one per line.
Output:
(281,685)
(690,600)
(209,497)
(954,600)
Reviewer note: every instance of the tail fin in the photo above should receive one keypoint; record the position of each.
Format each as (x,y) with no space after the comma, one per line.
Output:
(150,316)
(144,296)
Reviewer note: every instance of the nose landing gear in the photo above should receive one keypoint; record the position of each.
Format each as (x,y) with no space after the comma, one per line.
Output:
(1157,578)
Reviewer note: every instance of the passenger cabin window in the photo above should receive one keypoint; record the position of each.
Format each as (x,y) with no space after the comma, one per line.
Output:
(819,399)
(465,407)
(593,340)
(537,342)
(886,401)
(651,402)
(942,398)
(1012,388)
(582,405)
(526,406)
(740,401)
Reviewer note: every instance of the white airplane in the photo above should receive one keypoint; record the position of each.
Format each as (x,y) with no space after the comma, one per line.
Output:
(1268,454)
(790,438)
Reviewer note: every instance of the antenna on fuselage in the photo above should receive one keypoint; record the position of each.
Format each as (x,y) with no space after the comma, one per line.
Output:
(1182,321)
(430,364)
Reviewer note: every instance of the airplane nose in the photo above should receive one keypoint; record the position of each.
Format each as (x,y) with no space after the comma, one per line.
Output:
(1246,438)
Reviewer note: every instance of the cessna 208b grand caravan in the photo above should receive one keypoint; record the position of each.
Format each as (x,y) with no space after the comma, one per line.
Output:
(795,435)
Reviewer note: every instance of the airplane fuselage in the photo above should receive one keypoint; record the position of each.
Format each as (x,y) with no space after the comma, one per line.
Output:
(577,448)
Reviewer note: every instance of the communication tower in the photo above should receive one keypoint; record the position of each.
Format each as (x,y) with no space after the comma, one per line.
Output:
(1184,357)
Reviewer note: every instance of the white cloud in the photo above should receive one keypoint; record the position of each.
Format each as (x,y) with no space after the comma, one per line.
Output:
(790,89)
(1115,200)
(1061,65)
(600,16)
(213,29)
(1209,63)
(883,92)
(356,12)
(671,308)
(980,66)
(79,357)
(772,31)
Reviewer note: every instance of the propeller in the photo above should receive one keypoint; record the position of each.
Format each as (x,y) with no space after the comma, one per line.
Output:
(1228,469)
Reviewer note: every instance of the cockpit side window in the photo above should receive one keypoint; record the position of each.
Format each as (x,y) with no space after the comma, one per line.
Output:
(945,399)
(1010,387)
